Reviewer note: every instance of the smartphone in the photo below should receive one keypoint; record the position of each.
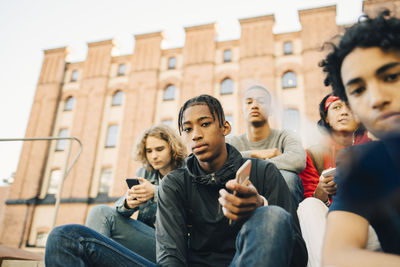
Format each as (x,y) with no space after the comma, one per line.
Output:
(131,182)
(242,175)
(328,172)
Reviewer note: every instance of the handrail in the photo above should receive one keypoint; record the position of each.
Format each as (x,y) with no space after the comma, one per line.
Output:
(66,169)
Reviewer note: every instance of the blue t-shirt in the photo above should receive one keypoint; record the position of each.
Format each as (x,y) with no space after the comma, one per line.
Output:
(368,179)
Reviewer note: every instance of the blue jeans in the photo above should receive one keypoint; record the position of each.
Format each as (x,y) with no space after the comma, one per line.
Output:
(267,238)
(132,234)
(78,246)
(295,185)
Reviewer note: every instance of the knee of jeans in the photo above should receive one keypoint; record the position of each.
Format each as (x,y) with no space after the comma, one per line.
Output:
(100,212)
(271,219)
(60,233)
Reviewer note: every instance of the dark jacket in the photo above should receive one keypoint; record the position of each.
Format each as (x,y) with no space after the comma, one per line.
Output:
(191,228)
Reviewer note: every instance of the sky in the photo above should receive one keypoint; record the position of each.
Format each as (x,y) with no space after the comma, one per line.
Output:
(28,27)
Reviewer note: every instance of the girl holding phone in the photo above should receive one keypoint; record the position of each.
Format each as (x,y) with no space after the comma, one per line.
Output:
(160,150)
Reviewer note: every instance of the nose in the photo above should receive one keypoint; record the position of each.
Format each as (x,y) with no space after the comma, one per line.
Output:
(344,110)
(197,134)
(378,96)
(154,154)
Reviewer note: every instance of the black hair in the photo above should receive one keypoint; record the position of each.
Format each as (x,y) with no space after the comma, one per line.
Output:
(382,31)
(323,114)
(213,104)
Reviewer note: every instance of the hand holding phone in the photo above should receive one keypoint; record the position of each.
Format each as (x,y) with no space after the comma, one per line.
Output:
(242,176)
(327,173)
(131,182)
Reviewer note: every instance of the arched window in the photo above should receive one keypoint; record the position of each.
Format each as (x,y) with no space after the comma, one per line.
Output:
(69,104)
(105,180)
(62,142)
(287,48)
(226,87)
(227,55)
(117,98)
(121,69)
(169,92)
(171,63)
(291,120)
(55,179)
(74,76)
(112,135)
(289,80)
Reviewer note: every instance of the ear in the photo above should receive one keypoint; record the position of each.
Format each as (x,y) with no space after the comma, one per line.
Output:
(226,128)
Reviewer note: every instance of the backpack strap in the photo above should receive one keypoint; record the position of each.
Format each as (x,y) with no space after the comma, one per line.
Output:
(317,155)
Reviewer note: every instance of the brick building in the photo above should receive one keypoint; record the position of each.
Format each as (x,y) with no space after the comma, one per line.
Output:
(107,100)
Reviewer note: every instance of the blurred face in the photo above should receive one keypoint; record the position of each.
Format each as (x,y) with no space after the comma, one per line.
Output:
(256,103)
(340,117)
(203,135)
(158,154)
(372,82)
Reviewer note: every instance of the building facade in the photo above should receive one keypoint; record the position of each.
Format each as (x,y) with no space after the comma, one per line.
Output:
(107,100)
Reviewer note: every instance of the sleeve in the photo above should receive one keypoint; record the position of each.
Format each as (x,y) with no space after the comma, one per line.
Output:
(293,157)
(237,143)
(310,178)
(171,228)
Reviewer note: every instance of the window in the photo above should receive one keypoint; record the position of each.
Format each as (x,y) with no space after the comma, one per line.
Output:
(112,135)
(61,143)
(169,92)
(167,122)
(289,80)
(171,63)
(55,179)
(41,239)
(105,180)
(121,69)
(69,104)
(227,55)
(291,120)
(117,98)
(74,76)
(226,87)
(287,48)
(230,119)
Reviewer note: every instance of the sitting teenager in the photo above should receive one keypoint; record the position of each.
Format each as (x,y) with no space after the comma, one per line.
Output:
(341,128)
(281,147)
(160,150)
(196,202)
(364,71)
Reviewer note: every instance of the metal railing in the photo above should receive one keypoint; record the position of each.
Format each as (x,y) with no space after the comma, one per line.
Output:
(67,168)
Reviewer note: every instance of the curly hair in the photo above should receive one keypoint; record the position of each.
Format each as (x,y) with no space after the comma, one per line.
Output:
(382,31)
(213,104)
(166,133)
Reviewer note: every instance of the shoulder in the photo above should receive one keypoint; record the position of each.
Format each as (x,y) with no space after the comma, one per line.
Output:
(174,180)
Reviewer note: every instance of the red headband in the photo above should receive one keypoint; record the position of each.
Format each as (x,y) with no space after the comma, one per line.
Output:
(330,100)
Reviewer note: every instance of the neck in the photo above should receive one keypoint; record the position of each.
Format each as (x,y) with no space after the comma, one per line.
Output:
(257,133)
(215,163)
(342,138)
(165,171)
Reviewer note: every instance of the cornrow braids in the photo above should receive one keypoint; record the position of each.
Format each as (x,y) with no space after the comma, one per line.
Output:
(382,31)
(213,104)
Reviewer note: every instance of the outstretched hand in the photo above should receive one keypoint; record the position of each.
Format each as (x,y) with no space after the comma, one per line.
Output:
(241,205)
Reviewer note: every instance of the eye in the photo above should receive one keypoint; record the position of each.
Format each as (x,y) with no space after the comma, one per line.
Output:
(148,151)
(160,149)
(249,101)
(391,77)
(187,129)
(357,91)
(205,124)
